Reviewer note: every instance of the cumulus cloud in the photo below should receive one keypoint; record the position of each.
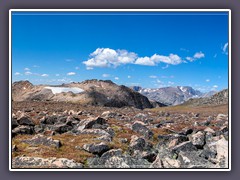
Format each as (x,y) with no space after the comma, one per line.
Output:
(26,69)
(207,80)
(57,74)
(27,73)
(116,78)
(17,74)
(106,57)
(145,61)
(225,49)
(71,73)
(129,77)
(44,75)
(155,59)
(106,75)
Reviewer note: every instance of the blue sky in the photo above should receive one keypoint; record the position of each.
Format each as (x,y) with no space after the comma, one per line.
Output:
(151,50)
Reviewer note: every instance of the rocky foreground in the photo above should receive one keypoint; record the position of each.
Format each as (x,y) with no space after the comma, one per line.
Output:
(66,135)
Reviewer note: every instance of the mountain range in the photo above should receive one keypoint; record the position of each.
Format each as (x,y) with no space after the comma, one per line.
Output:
(106,93)
(171,95)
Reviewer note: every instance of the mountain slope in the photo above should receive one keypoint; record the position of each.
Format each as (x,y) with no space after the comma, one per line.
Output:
(91,92)
(217,99)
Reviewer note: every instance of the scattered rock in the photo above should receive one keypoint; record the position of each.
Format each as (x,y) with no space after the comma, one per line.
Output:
(25,121)
(140,128)
(43,140)
(185,146)
(36,162)
(95,148)
(198,139)
(87,124)
(116,159)
(22,130)
(137,143)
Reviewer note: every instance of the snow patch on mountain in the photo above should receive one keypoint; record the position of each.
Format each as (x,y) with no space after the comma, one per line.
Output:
(56,90)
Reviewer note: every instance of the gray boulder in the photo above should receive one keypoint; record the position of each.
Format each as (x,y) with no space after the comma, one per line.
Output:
(88,123)
(140,128)
(22,130)
(43,140)
(96,148)
(198,139)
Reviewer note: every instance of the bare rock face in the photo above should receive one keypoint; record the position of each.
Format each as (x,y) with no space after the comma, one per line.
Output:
(36,162)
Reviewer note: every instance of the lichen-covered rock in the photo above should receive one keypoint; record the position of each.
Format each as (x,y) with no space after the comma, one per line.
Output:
(140,128)
(88,123)
(43,140)
(185,146)
(116,159)
(137,143)
(96,148)
(198,139)
(26,121)
(22,130)
(192,159)
(36,162)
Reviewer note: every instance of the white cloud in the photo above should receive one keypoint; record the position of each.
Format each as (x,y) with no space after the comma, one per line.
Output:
(129,77)
(145,61)
(215,86)
(71,73)
(155,59)
(225,49)
(106,57)
(170,82)
(57,74)
(116,78)
(198,55)
(26,69)
(44,75)
(106,75)
(153,76)
(190,59)
(28,73)
(77,68)
(17,74)
(207,80)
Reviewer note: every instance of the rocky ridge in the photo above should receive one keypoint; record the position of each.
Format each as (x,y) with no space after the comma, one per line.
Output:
(95,92)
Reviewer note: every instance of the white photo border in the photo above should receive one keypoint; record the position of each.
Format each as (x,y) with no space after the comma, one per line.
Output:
(119,10)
